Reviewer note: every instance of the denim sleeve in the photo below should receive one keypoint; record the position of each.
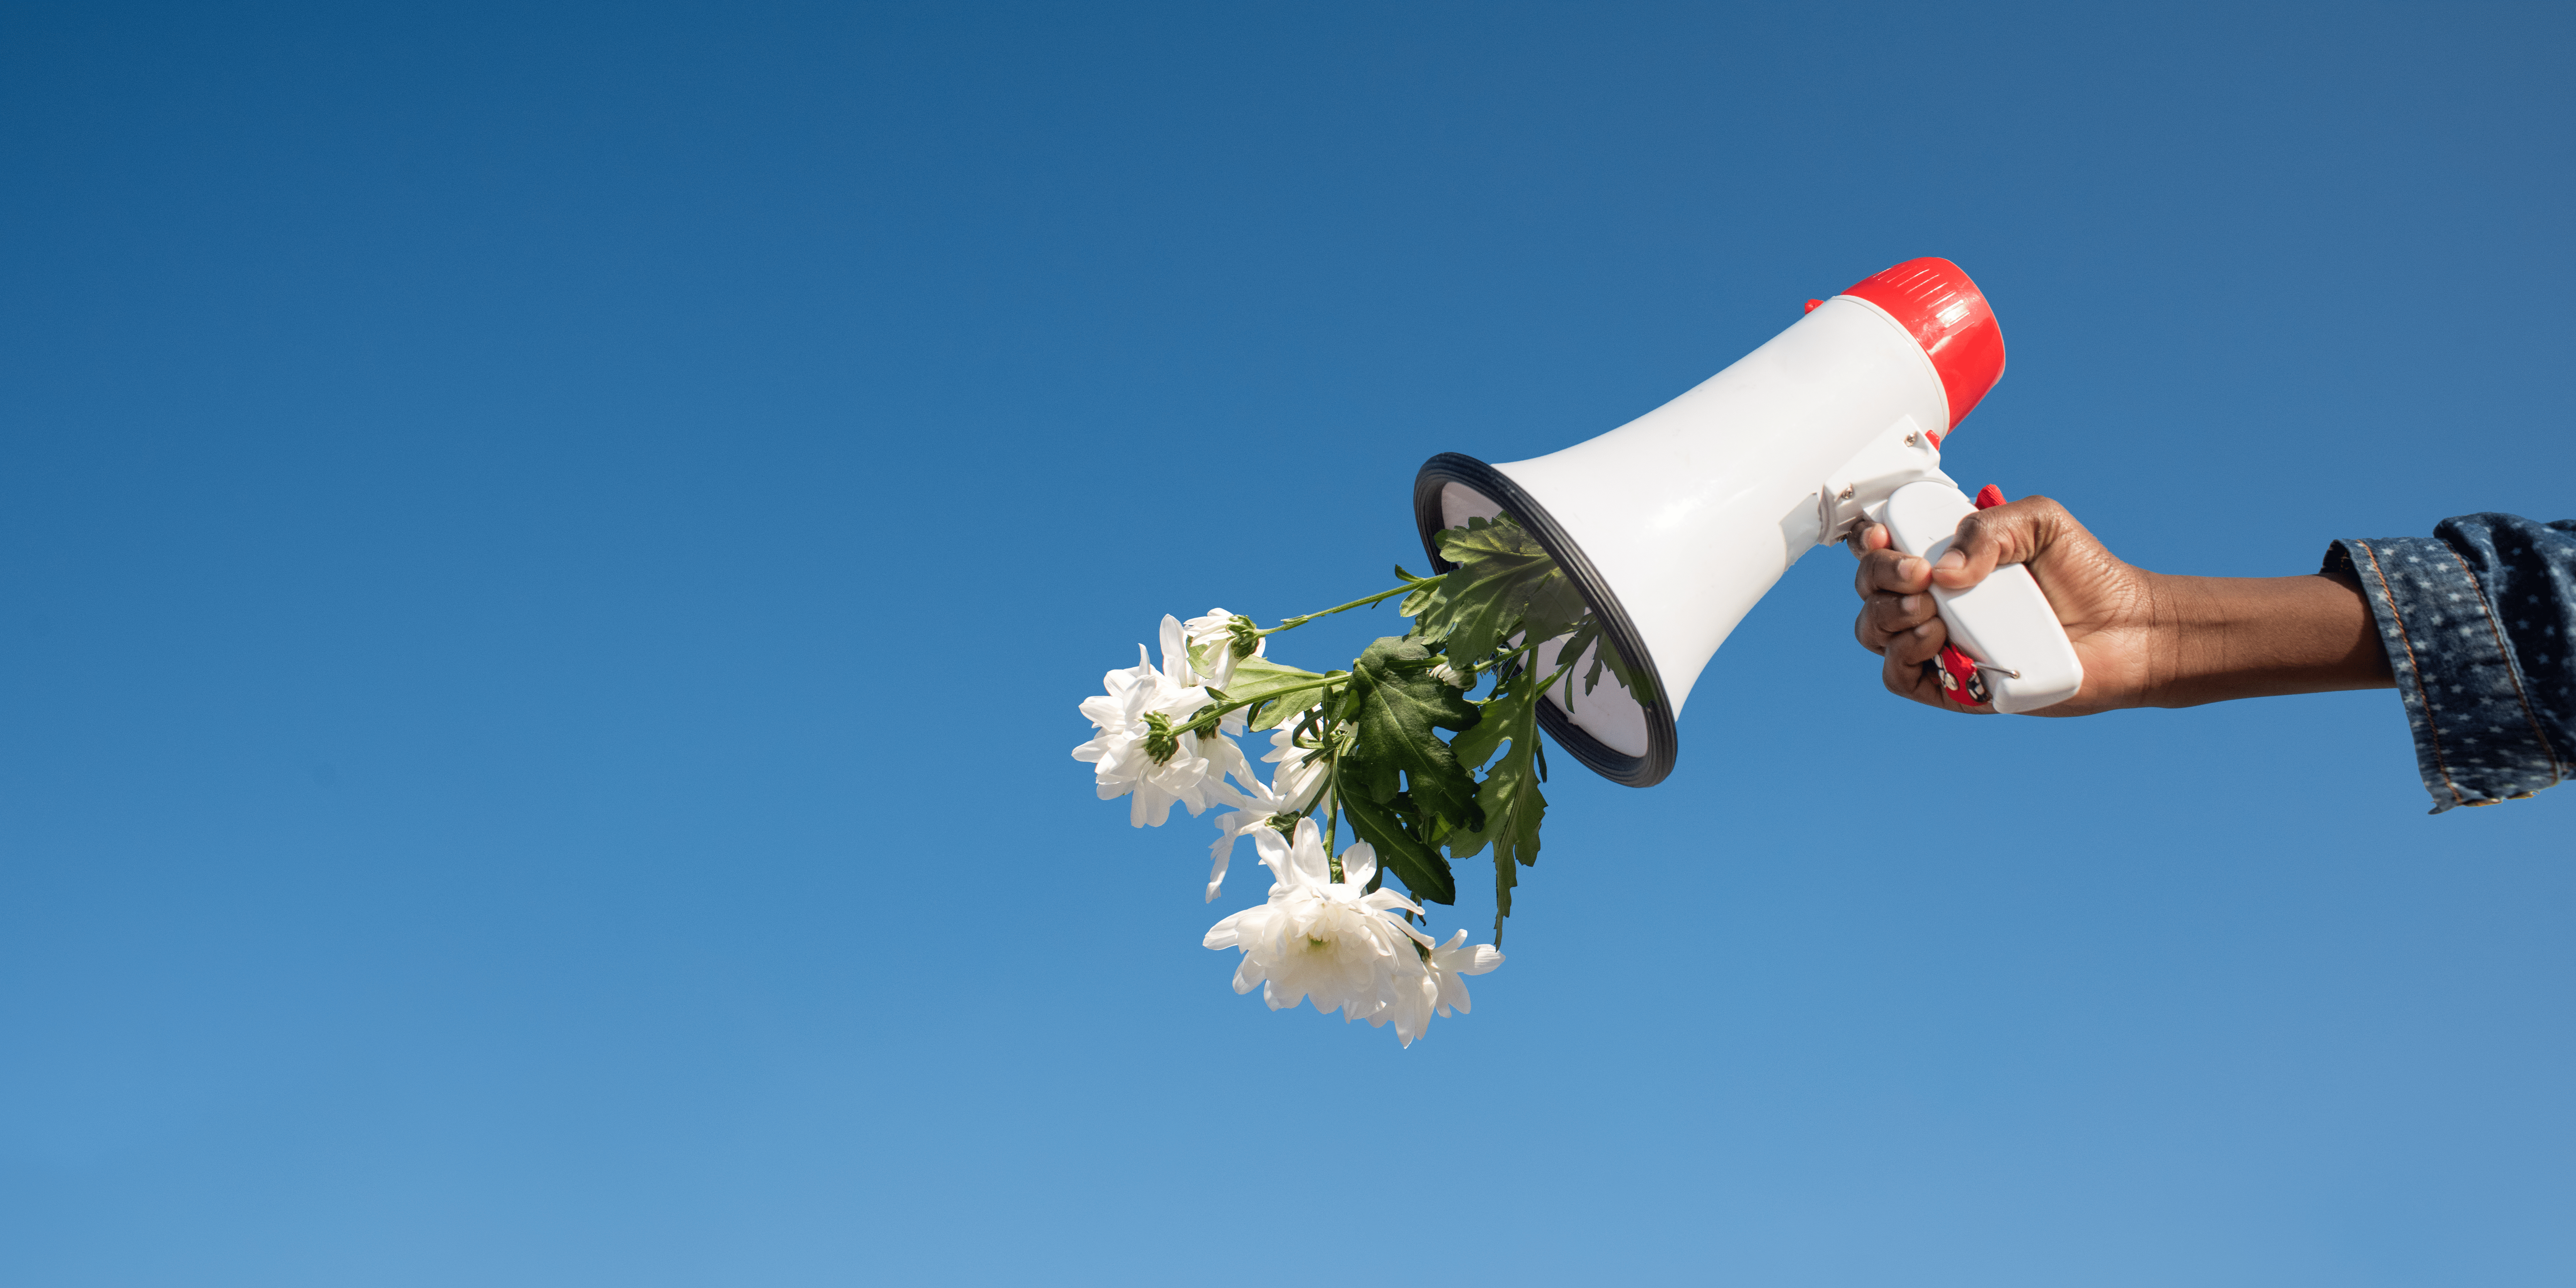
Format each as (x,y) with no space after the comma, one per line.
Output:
(2477,620)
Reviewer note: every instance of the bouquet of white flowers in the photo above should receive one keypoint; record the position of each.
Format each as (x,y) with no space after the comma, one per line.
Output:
(1364,782)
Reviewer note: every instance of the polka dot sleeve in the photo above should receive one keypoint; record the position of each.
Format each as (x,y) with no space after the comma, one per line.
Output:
(2476,620)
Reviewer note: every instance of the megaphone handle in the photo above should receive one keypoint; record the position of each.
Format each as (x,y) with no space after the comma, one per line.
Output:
(2006,646)
(1958,671)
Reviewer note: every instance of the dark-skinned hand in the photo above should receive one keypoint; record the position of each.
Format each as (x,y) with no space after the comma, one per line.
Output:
(2146,639)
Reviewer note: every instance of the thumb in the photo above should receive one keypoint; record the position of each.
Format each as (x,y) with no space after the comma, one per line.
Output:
(2015,533)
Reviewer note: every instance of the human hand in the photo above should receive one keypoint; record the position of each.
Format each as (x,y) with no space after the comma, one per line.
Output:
(2107,607)
(2145,639)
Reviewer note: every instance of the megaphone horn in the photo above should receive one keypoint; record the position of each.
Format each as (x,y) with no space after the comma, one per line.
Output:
(1673,524)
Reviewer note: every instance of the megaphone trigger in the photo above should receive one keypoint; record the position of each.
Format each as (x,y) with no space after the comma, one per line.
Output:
(1958,674)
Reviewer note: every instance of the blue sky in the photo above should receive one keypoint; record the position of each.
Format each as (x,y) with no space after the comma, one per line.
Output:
(550,553)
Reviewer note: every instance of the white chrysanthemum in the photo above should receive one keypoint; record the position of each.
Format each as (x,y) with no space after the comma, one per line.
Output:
(1121,751)
(1254,806)
(1297,783)
(1176,664)
(1126,719)
(1224,757)
(1299,778)
(1438,986)
(1213,636)
(1331,942)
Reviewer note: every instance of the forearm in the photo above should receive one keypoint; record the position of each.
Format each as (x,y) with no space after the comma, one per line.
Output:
(2474,627)
(2219,638)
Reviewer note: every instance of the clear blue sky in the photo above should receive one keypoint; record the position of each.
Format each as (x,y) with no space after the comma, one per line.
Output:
(547,555)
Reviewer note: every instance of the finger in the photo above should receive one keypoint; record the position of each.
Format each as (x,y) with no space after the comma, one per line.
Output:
(1868,537)
(1902,671)
(1918,683)
(1866,630)
(1890,572)
(1919,645)
(1883,617)
(1911,669)
(2016,533)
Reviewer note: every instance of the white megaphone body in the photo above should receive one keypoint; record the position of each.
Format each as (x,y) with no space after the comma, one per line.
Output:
(1673,524)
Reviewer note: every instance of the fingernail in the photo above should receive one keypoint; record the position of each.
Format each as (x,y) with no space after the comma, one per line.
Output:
(1951,561)
(1909,605)
(1924,629)
(1909,567)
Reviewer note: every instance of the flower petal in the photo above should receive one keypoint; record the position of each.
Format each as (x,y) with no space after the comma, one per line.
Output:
(1308,857)
(1359,864)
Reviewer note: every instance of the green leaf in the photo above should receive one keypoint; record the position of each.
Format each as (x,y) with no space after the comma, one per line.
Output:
(1514,808)
(1503,584)
(1606,657)
(1572,650)
(1257,678)
(1425,873)
(1552,606)
(1509,714)
(1425,590)
(1514,804)
(1639,684)
(1510,798)
(1394,706)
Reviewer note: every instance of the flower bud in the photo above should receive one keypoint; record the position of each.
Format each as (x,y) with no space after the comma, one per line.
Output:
(1247,637)
(1448,675)
(1160,740)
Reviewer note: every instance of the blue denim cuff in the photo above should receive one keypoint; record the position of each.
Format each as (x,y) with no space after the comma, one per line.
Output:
(2477,737)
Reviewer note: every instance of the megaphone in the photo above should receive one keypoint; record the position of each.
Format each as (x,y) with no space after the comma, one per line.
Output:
(1673,524)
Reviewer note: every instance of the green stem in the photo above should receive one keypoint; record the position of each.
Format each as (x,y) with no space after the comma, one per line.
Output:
(1211,713)
(1333,819)
(1551,680)
(1380,597)
(1499,658)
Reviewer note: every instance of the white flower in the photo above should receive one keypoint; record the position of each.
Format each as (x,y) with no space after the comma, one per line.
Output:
(1224,757)
(1449,675)
(1301,772)
(1253,807)
(1299,780)
(1214,636)
(1453,960)
(1137,745)
(1439,985)
(1323,940)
